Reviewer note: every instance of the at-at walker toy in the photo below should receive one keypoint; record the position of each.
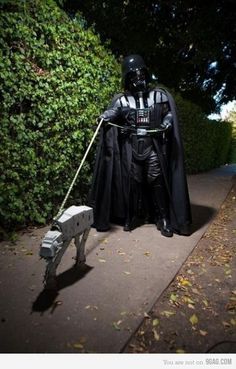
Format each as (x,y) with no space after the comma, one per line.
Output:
(72,223)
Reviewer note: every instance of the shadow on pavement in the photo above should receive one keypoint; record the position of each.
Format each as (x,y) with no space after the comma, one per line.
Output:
(201,215)
(47,298)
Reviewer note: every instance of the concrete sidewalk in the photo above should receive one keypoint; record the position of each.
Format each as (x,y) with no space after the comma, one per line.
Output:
(99,308)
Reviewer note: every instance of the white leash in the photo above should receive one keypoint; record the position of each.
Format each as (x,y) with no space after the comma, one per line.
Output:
(78,170)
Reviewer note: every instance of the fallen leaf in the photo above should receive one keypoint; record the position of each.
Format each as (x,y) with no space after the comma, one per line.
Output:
(203,333)
(191,306)
(185,282)
(104,240)
(155,322)
(188,300)
(231,306)
(189,271)
(205,302)
(102,260)
(116,326)
(127,273)
(180,351)
(146,315)
(225,324)
(78,345)
(156,335)
(173,297)
(193,319)
(147,253)
(195,290)
(92,307)
(233,321)
(167,314)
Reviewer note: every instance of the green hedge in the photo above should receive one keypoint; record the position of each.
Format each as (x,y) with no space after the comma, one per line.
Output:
(232,153)
(55,78)
(206,141)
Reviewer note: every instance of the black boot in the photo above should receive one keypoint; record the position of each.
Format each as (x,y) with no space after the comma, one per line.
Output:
(164,226)
(130,225)
(132,217)
(161,205)
(127,226)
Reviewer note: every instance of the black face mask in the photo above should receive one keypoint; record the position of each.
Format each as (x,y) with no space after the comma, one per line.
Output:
(137,81)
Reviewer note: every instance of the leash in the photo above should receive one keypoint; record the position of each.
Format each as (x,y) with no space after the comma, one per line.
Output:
(162,130)
(78,170)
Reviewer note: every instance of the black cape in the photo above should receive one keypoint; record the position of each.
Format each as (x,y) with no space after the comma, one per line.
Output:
(110,188)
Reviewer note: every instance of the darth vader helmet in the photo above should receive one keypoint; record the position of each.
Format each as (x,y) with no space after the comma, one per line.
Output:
(135,75)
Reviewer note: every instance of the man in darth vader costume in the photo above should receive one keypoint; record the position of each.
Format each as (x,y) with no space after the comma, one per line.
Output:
(139,174)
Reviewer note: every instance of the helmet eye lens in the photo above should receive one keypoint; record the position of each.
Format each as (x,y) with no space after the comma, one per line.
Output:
(138,75)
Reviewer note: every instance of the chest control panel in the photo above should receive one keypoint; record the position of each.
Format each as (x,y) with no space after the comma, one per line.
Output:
(142,117)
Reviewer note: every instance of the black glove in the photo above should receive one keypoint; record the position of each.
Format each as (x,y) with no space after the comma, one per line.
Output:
(165,125)
(110,115)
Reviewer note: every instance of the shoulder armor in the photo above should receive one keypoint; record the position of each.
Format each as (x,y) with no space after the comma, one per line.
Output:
(164,97)
(123,101)
(116,101)
(160,96)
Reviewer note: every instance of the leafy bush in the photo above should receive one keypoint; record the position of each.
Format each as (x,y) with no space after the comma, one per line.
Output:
(206,142)
(232,119)
(55,77)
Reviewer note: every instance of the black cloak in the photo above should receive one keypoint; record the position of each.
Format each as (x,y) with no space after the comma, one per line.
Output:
(110,188)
